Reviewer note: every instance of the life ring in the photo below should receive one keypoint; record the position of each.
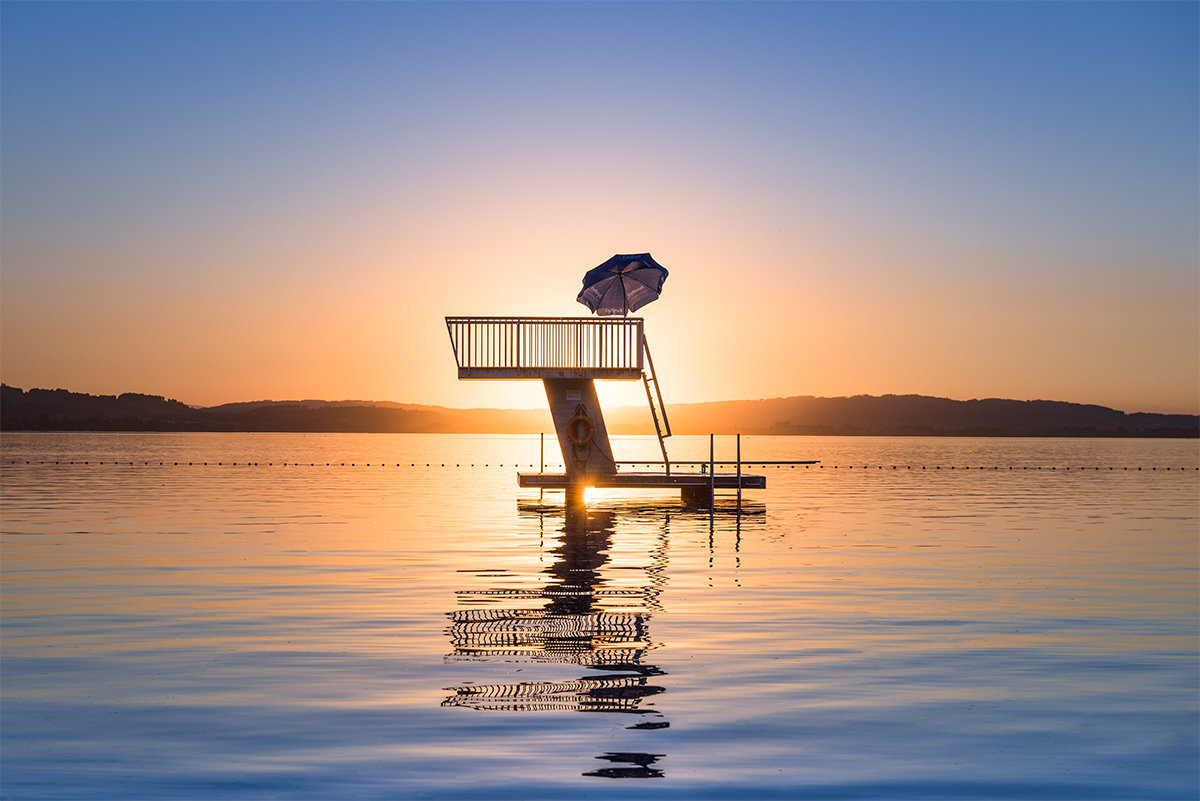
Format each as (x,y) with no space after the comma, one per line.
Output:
(588,427)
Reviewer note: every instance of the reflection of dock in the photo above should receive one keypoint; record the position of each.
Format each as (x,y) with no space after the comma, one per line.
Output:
(660,512)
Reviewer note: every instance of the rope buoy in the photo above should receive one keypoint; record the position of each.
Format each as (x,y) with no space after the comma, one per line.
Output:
(581,429)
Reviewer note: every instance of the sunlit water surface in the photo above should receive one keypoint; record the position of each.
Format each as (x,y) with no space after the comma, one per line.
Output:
(333,621)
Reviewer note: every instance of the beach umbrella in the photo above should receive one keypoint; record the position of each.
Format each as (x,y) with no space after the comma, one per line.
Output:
(622,284)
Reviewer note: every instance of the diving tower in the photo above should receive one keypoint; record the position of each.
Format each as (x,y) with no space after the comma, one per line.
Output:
(568,355)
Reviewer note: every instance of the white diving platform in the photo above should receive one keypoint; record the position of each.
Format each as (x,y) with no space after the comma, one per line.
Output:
(568,354)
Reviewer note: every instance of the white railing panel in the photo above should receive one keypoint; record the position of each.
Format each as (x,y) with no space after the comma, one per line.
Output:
(546,343)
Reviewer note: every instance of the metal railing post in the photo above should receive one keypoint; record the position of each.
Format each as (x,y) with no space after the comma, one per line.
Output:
(712,479)
(739,470)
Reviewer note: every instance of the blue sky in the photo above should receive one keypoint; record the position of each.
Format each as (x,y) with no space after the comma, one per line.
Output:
(232,201)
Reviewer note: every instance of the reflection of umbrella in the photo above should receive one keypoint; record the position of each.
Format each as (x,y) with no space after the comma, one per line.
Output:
(622,284)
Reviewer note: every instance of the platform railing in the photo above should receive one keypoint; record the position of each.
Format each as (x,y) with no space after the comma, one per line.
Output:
(512,347)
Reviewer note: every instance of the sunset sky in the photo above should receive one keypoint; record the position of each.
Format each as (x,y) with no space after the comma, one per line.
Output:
(238,201)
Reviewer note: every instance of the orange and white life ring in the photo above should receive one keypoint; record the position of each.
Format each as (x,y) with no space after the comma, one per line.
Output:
(581,430)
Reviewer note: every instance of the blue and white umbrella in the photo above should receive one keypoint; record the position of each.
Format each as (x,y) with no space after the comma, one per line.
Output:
(622,284)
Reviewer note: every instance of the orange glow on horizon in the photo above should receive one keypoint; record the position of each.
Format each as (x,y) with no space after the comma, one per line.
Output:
(825,237)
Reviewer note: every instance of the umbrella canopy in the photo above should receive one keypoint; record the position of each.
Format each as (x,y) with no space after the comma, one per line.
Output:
(622,284)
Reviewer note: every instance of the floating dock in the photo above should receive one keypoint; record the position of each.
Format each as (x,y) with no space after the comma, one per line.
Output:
(696,489)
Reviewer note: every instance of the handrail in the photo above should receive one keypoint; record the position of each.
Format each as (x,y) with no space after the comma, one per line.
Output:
(557,343)
(658,391)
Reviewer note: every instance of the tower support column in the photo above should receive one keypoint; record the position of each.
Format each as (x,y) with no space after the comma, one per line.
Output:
(579,423)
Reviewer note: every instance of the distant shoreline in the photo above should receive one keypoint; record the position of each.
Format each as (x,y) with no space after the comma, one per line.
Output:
(862,415)
(1067,433)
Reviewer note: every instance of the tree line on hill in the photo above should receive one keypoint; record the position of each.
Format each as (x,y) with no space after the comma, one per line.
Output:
(919,415)
(861,415)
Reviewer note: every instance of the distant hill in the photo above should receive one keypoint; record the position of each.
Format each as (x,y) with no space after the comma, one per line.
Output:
(907,415)
(861,415)
(246,406)
(61,410)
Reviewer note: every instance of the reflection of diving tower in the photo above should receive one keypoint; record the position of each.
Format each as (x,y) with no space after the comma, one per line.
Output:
(574,617)
(568,354)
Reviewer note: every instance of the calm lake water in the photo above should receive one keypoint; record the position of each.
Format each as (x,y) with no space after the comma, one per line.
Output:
(389,616)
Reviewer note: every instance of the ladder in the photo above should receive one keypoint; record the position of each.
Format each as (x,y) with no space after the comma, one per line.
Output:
(660,409)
